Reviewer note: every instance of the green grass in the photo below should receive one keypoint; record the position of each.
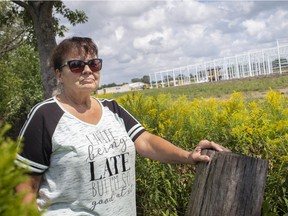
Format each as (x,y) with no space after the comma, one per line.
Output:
(254,87)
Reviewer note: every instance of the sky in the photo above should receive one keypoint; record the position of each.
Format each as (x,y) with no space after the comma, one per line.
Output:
(138,37)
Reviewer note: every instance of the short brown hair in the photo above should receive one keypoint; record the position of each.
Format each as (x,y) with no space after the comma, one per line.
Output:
(79,43)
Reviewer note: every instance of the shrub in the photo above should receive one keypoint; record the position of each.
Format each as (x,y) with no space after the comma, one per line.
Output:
(21,86)
(10,176)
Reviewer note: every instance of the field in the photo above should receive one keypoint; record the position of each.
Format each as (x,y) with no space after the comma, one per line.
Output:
(255,87)
(248,116)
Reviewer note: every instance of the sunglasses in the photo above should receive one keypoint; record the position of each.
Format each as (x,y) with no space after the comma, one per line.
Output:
(77,66)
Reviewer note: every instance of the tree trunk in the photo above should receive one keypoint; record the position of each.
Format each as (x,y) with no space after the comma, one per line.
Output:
(231,184)
(41,13)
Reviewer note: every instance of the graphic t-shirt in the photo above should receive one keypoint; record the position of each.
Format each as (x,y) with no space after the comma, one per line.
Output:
(87,169)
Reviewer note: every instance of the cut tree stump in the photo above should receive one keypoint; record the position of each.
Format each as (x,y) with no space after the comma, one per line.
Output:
(229,185)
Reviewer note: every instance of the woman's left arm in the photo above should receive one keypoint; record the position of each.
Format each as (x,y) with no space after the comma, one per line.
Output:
(156,148)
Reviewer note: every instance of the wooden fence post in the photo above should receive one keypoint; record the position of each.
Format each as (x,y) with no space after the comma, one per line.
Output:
(229,185)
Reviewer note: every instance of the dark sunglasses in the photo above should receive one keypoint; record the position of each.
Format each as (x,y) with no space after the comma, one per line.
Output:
(77,66)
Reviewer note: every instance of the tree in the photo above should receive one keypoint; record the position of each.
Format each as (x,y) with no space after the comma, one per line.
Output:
(43,26)
(134,80)
(12,32)
(144,79)
(283,62)
(108,85)
(167,78)
(21,86)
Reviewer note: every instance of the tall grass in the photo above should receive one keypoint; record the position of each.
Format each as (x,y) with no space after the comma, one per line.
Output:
(248,116)
(255,128)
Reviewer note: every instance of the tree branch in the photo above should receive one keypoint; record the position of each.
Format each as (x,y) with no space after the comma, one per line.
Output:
(21,4)
(14,42)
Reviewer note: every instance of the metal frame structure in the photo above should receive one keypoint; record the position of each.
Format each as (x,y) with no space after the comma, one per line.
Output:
(254,63)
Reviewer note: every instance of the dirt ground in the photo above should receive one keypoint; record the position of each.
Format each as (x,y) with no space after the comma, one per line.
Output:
(256,94)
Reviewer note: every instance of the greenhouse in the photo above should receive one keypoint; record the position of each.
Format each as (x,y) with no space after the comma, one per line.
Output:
(255,63)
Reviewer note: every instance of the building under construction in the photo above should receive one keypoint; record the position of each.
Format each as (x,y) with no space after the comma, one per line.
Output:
(255,63)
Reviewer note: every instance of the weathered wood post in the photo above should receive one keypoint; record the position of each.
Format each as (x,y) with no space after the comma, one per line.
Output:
(229,185)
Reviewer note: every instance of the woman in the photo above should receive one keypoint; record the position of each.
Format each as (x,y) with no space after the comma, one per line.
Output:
(81,150)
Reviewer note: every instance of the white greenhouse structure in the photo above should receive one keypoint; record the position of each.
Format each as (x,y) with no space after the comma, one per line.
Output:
(262,62)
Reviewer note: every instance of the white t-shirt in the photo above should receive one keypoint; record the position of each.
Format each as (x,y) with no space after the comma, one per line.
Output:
(87,169)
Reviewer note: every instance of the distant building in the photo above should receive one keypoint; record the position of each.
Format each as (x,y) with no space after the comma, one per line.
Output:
(137,86)
(124,88)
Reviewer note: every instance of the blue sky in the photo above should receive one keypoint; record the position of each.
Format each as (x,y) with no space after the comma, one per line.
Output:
(136,38)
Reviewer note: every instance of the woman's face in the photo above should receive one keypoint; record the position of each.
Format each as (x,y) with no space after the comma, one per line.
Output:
(86,81)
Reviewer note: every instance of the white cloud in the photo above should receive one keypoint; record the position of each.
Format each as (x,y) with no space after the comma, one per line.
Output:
(156,42)
(106,51)
(150,19)
(279,21)
(136,38)
(119,32)
(122,8)
(192,12)
(254,27)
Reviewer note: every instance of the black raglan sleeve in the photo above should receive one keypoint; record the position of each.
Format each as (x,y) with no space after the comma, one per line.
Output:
(36,137)
(132,126)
